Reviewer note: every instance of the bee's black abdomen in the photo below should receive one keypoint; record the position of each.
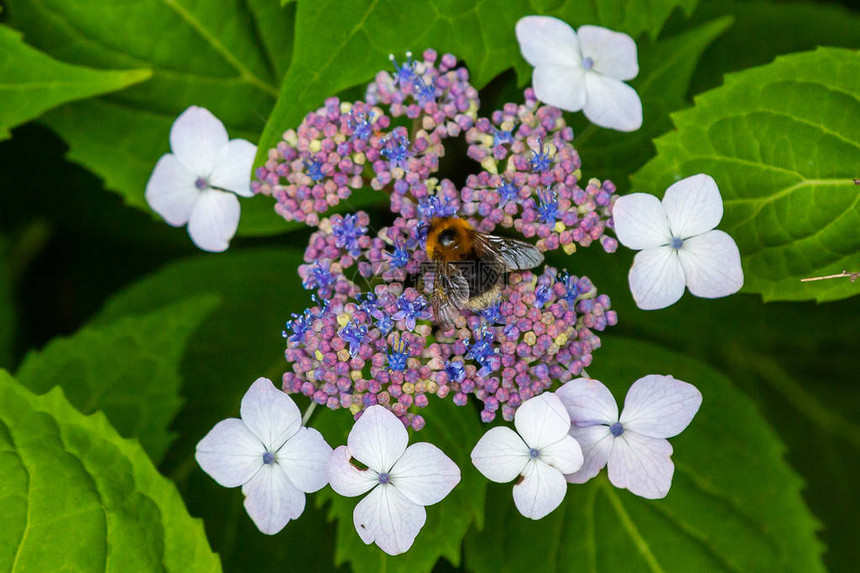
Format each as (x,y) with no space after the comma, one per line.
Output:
(482,275)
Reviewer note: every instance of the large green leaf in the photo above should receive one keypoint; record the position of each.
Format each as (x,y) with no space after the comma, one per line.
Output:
(32,82)
(129,369)
(665,70)
(781,142)
(224,56)
(735,505)
(75,496)
(455,430)
(7,309)
(811,24)
(342,44)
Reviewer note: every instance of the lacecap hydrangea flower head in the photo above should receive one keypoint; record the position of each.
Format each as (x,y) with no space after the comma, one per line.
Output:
(396,316)
(371,336)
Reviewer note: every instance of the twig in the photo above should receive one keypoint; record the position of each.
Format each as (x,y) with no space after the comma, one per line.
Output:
(844,274)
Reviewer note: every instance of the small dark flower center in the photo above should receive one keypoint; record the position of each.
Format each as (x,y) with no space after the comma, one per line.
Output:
(384,478)
(268,458)
(533,453)
(587,63)
(676,243)
(201,183)
(616,429)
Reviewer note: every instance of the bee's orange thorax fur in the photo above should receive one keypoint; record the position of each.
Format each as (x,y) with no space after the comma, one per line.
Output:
(462,245)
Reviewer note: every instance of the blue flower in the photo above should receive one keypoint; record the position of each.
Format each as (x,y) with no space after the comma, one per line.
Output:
(571,287)
(404,73)
(398,356)
(542,295)
(541,161)
(320,276)
(507,192)
(400,256)
(410,311)
(298,326)
(314,169)
(347,233)
(426,91)
(362,125)
(456,371)
(384,323)
(492,313)
(482,352)
(367,302)
(353,333)
(433,206)
(548,207)
(396,149)
(500,137)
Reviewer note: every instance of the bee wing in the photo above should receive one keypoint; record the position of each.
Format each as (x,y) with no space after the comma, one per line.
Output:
(516,255)
(450,293)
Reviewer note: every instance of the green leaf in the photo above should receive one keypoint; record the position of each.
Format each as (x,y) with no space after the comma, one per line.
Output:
(128,369)
(339,44)
(735,504)
(225,56)
(78,497)
(665,70)
(7,309)
(455,430)
(810,25)
(32,82)
(781,142)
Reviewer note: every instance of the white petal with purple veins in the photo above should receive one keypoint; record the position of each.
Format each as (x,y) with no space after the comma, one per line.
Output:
(196,138)
(171,190)
(660,406)
(641,464)
(500,454)
(640,222)
(304,458)
(214,220)
(270,413)
(693,205)
(542,420)
(588,402)
(230,453)
(541,490)
(389,519)
(272,500)
(345,478)
(378,439)
(424,474)
(712,265)
(596,443)
(613,53)
(656,278)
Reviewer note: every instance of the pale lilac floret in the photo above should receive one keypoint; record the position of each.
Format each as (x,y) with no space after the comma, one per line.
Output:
(633,445)
(269,453)
(537,455)
(399,480)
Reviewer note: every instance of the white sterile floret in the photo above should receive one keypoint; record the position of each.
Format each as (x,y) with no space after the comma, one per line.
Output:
(678,246)
(401,480)
(583,70)
(197,184)
(634,444)
(269,453)
(539,453)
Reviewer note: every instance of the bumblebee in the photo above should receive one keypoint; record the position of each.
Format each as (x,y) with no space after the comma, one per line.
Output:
(470,267)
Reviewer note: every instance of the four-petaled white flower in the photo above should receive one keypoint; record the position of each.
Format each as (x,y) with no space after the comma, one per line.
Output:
(583,70)
(197,184)
(677,243)
(540,455)
(269,453)
(632,445)
(403,480)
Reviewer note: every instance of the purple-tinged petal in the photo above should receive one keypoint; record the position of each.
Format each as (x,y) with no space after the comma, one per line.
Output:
(660,406)
(304,458)
(596,443)
(613,53)
(197,138)
(712,265)
(564,455)
(171,192)
(560,86)
(641,464)
(272,500)
(612,103)
(656,278)
(378,439)
(388,518)
(270,414)
(500,454)
(588,402)
(542,420)
(424,474)
(693,206)
(233,167)
(230,453)
(546,40)
(640,222)
(214,220)
(345,478)
(540,491)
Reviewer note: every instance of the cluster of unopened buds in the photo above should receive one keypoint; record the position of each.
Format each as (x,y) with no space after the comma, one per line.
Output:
(374,341)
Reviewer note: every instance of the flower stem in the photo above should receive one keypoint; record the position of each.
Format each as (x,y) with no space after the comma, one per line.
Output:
(844,274)
(308,412)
